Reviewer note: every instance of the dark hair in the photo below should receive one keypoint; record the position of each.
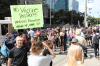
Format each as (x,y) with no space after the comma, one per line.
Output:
(37,46)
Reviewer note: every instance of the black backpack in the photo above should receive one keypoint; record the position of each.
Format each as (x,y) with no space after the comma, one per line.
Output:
(96,39)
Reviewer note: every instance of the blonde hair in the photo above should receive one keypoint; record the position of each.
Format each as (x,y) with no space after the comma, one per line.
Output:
(75,53)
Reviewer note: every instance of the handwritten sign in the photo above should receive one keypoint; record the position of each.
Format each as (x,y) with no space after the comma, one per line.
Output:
(27,16)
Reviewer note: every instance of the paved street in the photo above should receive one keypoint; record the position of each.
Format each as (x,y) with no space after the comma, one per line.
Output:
(60,60)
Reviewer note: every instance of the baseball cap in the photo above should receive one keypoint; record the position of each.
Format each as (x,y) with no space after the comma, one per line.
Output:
(74,40)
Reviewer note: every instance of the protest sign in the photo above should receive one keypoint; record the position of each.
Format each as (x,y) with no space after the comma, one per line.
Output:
(27,16)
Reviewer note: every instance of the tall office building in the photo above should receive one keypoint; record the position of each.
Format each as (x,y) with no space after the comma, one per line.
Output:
(73,5)
(57,5)
(61,5)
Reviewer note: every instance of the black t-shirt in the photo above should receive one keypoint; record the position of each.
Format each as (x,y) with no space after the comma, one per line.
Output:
(19,56)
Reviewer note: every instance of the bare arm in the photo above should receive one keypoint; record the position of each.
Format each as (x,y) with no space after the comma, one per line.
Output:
(9,62)
(50,50)
(82,56)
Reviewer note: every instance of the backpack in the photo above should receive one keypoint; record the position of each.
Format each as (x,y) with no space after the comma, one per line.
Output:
(96,39)
(4,51)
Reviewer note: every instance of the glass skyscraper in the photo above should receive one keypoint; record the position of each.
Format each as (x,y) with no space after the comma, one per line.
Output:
(57,5)
(73,5)
(61,5)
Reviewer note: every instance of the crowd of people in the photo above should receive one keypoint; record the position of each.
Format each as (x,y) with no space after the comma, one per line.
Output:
(38,47)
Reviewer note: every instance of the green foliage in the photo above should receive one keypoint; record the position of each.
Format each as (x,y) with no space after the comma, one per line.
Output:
(5,7)
(71,17)
(93,21)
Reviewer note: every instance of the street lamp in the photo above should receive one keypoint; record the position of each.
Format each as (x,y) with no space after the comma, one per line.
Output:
(85,17)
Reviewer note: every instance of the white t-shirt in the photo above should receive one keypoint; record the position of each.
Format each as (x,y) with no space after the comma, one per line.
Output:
(39,60)
(31,33)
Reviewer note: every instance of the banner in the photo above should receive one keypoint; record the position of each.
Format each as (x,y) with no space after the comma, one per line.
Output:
(27,16)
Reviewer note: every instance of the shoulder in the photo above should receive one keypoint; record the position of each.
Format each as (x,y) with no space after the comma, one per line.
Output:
(40,57)
(13,49)
(11,53)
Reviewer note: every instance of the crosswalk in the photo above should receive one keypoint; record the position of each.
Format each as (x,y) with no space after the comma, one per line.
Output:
(61,59)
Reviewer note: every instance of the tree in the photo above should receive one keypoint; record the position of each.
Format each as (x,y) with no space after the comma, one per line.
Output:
(5,7)
(59,16)
(93,20)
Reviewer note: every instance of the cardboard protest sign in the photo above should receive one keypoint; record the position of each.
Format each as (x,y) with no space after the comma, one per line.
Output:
(27,16)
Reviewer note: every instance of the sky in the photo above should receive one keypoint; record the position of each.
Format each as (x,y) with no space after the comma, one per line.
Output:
(93,7)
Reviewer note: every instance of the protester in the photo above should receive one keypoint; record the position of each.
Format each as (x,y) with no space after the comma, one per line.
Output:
(62,41)
(75,55)
(31,34)
(9,41)
(36,58)
(18,55)
(81,41)
(46,51)
(95,42)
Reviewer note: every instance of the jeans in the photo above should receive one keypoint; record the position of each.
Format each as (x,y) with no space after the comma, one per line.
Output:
(96,49)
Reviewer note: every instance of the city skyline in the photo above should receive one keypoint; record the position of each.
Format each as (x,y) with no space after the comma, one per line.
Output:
(79,6)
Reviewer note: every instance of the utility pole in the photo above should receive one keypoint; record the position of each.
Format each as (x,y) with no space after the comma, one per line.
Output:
(85,17)
(50,12)
(25,2)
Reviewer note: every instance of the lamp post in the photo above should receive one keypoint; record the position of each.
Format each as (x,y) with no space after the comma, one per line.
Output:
(85,17)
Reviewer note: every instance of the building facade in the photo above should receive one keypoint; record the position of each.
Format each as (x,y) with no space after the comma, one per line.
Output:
(57,5)
(73,5)
(29,1)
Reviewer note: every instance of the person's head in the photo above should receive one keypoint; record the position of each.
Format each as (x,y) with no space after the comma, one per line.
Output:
(78,33)
(94,31)
(74,41)
(19,41)
(75,54)
(37,48)
(9,35)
